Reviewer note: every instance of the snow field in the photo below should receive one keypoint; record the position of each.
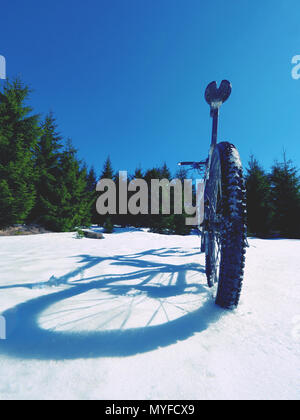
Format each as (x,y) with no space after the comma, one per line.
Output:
(131,317)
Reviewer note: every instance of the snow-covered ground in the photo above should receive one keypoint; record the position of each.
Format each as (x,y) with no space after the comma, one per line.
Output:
(130,317)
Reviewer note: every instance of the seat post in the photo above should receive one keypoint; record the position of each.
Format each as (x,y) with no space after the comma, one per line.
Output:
(215,96)
(215,116)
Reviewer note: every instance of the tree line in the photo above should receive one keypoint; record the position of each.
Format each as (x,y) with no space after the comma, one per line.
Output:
(159,223)
(273,199)
(43,181)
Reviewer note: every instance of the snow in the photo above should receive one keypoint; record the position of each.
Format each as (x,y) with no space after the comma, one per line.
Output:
(131,317)
(235,158)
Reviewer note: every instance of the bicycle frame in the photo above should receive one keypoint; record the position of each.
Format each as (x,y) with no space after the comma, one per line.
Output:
(215,97)
(223,231)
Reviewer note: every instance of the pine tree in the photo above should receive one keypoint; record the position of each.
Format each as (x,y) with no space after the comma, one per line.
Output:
(150,220)
(137,220)
(6,205)
(138,174)
(258,199)
(285,185)
(107,173)
(91,190)
(47,163)
(19,132)
(158,223)
(71,205)
(120,218)
(91,180)
(164,172)
(178,221)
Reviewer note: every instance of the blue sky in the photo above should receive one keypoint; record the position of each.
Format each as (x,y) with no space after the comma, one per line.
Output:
(126,78)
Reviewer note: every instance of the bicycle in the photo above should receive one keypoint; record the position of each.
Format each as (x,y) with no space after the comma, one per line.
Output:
(223,229)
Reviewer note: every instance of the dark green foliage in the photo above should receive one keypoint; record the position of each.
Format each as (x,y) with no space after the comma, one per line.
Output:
(138,174)
(71,206)
(39,182)
(91,191)
(47,165)
(137,220)
(19,132)
(108,225)
(107,173)
(178,221)
(63,198)
(6,205)
(273,200)
(158,223)
(43,181)
(164,172)
(258,199)
(285,194)
(91,180)
(79,233)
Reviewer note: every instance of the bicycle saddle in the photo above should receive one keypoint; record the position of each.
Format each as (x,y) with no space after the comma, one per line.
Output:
(215,96)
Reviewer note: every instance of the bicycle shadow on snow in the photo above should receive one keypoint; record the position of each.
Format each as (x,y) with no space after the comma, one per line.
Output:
(28,340)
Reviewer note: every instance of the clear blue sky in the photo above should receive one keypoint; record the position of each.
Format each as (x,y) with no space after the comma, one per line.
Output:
(127,77)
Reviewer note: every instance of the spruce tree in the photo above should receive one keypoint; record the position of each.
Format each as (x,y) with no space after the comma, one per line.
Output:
(47,163)
(137,220)
(152,221)
(91,190)
(19,132)
(158,223)
(259,208)
(107,173)
(285,185)
(164,172)
(91,180)
(178,224)
(138,174)
(71,205)
(6,204)
(120,218)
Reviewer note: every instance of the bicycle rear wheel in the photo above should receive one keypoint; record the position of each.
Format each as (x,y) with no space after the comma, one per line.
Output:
(225,225)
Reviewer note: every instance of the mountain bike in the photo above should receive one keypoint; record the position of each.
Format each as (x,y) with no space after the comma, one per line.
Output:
(223,228)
